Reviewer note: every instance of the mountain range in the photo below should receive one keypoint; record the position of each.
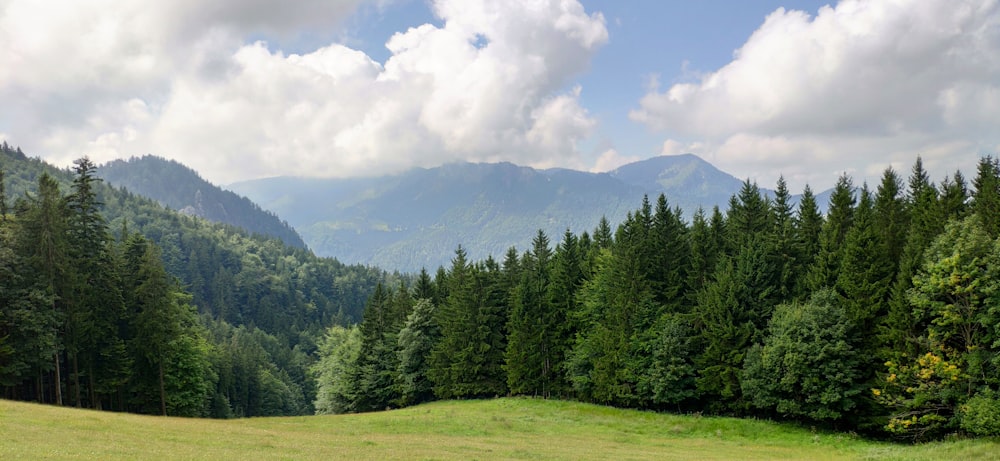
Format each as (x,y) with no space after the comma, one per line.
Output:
(178,187)
(418,218)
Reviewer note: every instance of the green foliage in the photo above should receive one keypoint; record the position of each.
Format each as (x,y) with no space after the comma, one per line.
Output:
(416,340)
(807,367)
(336,370)
(180,188)
(980,415)
(957,291)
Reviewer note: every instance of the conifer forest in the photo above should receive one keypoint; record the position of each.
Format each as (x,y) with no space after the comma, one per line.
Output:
(881,316)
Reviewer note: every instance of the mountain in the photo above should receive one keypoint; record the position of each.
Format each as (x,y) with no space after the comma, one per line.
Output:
(417,218)
(181,188)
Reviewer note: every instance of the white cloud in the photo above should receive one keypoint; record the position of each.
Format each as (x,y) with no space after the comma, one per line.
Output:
(115,78)
(610,160)
(859,84)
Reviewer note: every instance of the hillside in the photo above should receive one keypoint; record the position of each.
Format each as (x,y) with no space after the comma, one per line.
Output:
(263,304)
(181,188)
(417,218)
(493,429)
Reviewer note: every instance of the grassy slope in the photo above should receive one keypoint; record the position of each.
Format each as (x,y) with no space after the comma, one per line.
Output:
(493,429)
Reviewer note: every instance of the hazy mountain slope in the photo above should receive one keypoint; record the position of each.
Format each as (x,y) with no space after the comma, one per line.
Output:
(181,188)
(417,218)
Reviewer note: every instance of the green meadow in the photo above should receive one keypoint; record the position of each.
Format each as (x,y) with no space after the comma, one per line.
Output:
(512,428)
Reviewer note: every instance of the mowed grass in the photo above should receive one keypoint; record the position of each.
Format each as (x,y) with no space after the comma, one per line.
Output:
(510,428)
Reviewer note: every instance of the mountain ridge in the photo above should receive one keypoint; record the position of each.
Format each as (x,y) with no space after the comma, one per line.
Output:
(418,217)
(179,187)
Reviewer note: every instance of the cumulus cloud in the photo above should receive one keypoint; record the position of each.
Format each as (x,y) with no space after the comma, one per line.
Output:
(112,78)
(861,84)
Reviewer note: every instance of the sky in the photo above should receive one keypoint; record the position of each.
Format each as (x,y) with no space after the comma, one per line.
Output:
(245,89)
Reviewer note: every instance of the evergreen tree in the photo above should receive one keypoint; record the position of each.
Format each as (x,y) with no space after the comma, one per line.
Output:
(602,234)
(749,217)
(784,242)
(733,312)
(808,227)
(453,317)
(901,329)
(670,256)
(3,197)
(864,281)
(170,355)
(953,197)
(891,219)
(42,241)
(529,362)
(424,287)
(703,256)
(840,218)
(377,360)
(416,340)
(567,276)
(986,200)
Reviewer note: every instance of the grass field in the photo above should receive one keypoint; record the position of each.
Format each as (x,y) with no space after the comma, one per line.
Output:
(490,429)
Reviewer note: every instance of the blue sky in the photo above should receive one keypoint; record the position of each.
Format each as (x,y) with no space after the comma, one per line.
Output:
(242,89)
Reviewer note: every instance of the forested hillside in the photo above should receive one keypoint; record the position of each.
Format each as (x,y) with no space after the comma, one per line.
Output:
(180,188)
(416,218)
(114,301)
(882,316)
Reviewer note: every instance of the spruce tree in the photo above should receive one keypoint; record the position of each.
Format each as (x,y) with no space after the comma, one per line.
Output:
(377,359)
(865,278)
(531,326)
(808,227)
(669,256)
(902,327)
(986,200)
(416,340)
(954,197)
(840,218)
(733,312)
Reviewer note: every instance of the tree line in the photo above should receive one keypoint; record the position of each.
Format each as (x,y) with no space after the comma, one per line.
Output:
(883,316)
(239,315)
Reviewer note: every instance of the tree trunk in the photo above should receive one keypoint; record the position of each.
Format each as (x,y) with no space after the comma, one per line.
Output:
(58,383)
(94,403)
(163,393)
(76,380)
